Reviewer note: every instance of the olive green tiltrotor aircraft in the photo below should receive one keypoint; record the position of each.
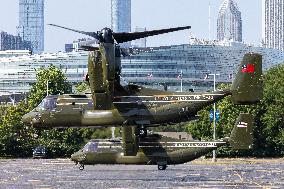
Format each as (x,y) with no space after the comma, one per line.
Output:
(110,104)
(160,150)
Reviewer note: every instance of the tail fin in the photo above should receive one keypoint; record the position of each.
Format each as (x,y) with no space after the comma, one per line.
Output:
(247,87)
(241,137)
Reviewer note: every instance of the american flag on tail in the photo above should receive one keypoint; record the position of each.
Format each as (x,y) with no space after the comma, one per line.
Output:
(242,124)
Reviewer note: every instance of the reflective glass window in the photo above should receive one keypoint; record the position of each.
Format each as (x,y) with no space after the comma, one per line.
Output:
(91,147)
(47,104)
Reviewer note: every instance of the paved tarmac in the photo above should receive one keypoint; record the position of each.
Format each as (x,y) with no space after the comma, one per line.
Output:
(62,173)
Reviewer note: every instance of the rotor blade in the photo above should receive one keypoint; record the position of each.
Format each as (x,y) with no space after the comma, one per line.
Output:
(125,37)
(91,34)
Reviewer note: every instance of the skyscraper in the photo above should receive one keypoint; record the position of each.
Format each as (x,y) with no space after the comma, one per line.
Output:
(273,23)
(11,42)
(121,16)
(229,23)
(31,23)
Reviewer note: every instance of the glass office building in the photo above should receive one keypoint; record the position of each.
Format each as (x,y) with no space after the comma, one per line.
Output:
(31,23)
(273,23)
(229,22)
(11,42)
(155,67)
(121,17)
(17,74)
(14,53)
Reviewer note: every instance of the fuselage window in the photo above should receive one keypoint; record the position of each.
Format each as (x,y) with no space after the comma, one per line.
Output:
(50,103)
(47,104)
(91,147)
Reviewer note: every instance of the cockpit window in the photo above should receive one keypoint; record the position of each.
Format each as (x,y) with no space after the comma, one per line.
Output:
(91,146)
(48,104)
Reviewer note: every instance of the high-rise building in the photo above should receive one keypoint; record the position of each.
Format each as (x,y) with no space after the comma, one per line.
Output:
(121,17)
(31,23)
(229,23)
(11,42)
(273,23)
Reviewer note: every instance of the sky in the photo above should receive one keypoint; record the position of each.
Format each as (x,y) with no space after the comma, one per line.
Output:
(93,15)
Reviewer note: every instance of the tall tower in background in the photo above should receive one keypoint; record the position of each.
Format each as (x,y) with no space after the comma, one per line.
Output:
(31,23)
(121,17)
(229,23)
(273,23)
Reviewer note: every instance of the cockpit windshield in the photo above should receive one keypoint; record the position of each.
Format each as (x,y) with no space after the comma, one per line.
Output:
(91,146)
(49,103)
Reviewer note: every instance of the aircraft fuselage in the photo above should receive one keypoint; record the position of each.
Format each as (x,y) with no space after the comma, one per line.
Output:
(142,107)
(162,151)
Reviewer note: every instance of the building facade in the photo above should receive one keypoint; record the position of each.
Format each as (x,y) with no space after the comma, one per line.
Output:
(11,42)
(273,23)
(31,23)
(165,66)
(229,22)
(14,53)
(17,74)
(170,67)
(121,17)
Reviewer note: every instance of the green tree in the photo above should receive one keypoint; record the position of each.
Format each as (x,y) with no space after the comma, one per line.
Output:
(59,142)
(16,139)
(270,122)
(101,133)
(64,142)
(57,84)
(268,114)
(83,86)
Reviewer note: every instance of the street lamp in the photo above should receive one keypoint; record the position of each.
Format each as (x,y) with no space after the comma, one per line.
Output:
(180,77)
(47,88)
(214,116)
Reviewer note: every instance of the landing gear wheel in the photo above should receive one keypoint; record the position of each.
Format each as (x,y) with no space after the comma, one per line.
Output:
(162,167)
(142,132)
(81,167)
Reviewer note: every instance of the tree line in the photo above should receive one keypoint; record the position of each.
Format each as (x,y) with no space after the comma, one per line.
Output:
(18,140)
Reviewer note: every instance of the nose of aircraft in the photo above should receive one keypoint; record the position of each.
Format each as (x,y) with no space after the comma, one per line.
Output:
(31,118)
(74,158)
(78,157)
(27,118)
